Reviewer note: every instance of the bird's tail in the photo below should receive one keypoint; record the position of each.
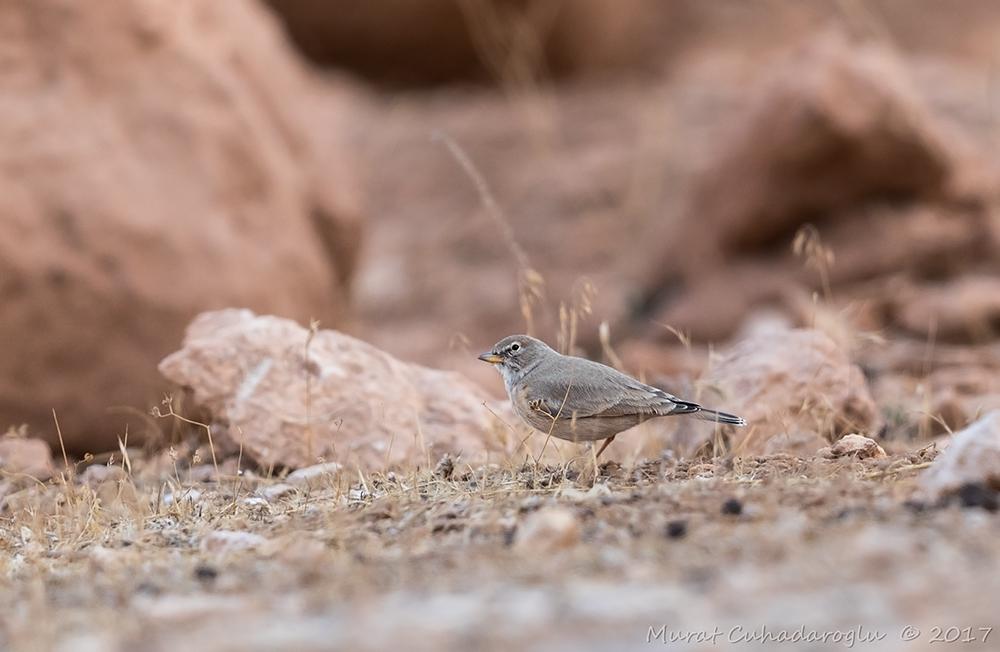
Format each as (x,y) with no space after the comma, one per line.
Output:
(698,412)
(719,417)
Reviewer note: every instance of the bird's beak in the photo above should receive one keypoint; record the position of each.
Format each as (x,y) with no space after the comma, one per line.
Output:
(491,357)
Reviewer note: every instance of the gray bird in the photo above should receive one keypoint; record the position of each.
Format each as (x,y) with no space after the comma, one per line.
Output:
(581,400)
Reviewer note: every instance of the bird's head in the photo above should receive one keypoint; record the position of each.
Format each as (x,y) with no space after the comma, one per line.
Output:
(515,354)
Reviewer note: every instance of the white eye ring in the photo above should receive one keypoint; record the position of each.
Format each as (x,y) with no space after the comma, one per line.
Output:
(515,347)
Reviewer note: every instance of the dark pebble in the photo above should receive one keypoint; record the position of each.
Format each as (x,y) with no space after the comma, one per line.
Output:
(975,494)
(205,573)
(732,507)
(676,529)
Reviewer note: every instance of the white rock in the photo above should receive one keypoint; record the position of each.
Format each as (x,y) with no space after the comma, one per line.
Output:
(972,457)
(347,402)
(313,476)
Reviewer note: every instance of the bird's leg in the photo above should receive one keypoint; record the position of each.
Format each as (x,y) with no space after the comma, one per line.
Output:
(606,443)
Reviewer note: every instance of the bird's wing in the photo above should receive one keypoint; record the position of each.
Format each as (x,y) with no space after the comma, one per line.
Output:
(588,389)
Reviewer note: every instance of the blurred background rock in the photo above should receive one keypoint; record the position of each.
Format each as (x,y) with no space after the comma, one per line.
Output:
(658,162)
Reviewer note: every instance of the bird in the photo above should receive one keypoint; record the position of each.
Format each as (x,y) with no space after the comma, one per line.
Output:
(580,400)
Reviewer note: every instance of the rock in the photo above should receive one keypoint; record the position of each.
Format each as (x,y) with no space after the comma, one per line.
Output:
(97,475)
(547,531)
(838,139)
(965,309)
(347,403)
(190,496)
(839,125)
(715,305)
(972,458)
(222,541)
(928,391)
(732,507)
(917,239)
(276,492)
(27,457)
(676,529)
(315,475)
(854,445)
(435,41)
(160,159)
(798,381)
(949,413)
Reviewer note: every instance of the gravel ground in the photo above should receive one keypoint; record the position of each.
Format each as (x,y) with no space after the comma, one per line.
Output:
(502,558)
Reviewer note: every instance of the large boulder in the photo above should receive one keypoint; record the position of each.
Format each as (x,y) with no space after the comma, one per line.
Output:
(837,172)
(291,400)
(796,388)
(434,41)
(838,126)
(965,309)
(158,159)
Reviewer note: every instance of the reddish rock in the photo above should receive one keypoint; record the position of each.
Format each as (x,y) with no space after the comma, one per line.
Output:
(838,126)
(966,309)
(26,457)
(159,159)
(796,381)
(949,411)
(926,390)
(434,41)
(854,445)
(838,139)
(717,302)
(922,240)
(972,458)
(346,403)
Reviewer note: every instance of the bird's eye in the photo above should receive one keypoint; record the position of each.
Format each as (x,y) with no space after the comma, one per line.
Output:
(515,347)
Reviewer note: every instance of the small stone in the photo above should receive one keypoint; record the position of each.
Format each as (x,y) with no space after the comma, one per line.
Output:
(548,530)
(732,507)
(530,504)
(205,573)
(315,475)
(854,445)
(189,495)
(676,529)
(278,491)
(222,541)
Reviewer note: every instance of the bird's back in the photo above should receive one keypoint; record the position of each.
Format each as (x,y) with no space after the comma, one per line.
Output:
(585,388)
